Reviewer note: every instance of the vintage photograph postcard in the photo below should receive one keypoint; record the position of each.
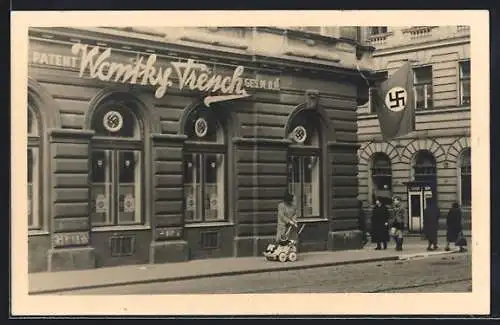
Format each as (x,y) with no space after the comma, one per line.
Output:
(257,163)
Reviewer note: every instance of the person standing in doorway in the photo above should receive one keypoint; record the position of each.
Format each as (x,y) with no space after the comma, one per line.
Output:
(380,222)
(362,222)
(431,224)
(397,222)
(454,227)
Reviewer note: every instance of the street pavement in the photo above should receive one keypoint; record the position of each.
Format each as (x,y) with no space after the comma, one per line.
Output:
(111,277)
(438,273)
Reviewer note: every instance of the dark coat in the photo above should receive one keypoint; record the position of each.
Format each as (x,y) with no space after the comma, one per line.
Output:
(453,224)
(431,222)
(380,217)
(362,220)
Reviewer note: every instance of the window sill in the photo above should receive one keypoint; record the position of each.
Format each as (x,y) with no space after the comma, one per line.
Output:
(120,228)
(209,224)
(38,232)
(308,220)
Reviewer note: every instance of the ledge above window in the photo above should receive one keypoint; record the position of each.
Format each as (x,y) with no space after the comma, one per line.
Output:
(120,228)
(208,224)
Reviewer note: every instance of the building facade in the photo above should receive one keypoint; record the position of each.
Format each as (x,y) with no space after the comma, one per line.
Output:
(434,161)
(163,145)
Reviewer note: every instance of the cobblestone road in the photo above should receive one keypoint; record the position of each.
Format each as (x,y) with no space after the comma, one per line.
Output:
(436,274)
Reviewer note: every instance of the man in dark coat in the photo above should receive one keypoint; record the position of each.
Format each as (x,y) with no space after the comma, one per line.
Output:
(453,226)
(380,219)
(431,224)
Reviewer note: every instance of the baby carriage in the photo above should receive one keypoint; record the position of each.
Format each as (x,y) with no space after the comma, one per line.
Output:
(285,249)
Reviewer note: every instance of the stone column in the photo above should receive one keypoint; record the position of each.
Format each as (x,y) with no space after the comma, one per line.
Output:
(70,200)
(168,244)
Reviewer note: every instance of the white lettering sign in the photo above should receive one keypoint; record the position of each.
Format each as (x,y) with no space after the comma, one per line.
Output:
(96,63)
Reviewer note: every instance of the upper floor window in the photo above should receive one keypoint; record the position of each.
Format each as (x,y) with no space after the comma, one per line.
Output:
(33,166)
(381,176)
(117,166)
(464,89)
(422,82)
(304,164)
(204,167)
(424,167)
(378,30)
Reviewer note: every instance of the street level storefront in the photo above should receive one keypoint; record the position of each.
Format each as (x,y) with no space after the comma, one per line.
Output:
(140,152)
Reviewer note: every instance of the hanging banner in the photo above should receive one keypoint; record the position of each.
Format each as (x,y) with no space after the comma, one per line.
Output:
(97,63)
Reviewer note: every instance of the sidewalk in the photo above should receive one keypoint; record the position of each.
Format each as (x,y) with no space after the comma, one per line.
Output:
(53,282)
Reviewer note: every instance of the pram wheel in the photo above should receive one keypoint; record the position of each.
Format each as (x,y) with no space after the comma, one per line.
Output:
(282,257)
(292,256)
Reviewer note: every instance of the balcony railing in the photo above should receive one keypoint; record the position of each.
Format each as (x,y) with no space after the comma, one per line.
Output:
(418,32)
(378,39)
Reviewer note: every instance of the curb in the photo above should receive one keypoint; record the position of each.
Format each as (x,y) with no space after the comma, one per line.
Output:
(285,267)
(423,255)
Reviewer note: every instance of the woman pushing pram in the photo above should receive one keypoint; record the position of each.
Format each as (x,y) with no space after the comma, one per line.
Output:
(284,247)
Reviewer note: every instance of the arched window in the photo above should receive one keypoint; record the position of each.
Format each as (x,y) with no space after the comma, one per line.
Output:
(424,168)
(117,160)
(381,176)
(465,178)
(204,167)
(33,164)
(304,164)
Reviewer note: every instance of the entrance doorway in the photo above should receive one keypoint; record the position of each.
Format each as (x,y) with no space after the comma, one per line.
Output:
(419,197)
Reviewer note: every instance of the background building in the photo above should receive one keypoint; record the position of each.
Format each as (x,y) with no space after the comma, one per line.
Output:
(438,152)
(125,167)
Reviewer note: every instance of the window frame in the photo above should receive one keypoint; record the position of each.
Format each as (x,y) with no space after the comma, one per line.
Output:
(34,144)
(204,148)
(313,146)
(304,152)
(378,29)
(460,83)
(117,144)
(427,86)
(195,145)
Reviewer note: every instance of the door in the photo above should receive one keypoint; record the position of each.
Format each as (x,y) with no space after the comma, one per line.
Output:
(416,209)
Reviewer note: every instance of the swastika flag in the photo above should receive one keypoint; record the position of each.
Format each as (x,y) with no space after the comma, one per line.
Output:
(394,103)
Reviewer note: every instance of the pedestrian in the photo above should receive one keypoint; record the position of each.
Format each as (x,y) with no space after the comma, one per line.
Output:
(397,222)
(287,216)
(380,222)
(454,232)
(362,222)
(431,224)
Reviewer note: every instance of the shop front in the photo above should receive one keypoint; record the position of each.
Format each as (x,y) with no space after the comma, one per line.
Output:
(141,152)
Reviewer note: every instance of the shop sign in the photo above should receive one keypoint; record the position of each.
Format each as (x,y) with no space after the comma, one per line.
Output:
(97,64)
(70,239)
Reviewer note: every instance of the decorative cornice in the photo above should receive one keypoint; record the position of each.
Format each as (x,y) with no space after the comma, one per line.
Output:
(164,47)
